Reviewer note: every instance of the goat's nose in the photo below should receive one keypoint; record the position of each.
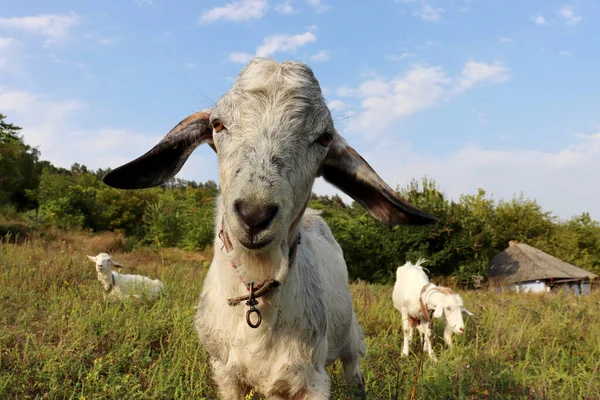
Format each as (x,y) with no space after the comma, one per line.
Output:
(461,330)
(254,219)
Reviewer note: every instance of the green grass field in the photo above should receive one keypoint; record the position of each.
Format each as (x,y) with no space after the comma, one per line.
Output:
(60,340)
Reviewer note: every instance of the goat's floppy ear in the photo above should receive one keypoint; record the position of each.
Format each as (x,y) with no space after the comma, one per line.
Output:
(116,264)
(439,310)
(464,309)
(165,159)
(346,169)
(92,258)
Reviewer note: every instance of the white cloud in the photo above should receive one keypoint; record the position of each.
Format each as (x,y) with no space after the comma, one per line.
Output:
(346,91)
(53,125)
(276,44)
(539,20)
(54,27)
(544,175)
(383,101)
(7,42)
(337,105)
(565,53)
(110,40)
(237,11)
(284,43)
(421,87)
(141,3)
(8,48)
(59,60)
(190,66)
(318,5)
(374,88)
(567,14)
(242,58)
(507,40)
(432,43)
(13,100)
(480,72)
(429,13)
(399,57)
(320,56)
(285,8)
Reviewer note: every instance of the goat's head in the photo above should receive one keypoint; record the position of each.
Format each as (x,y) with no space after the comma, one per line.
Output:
(451,308)
(273,135)
(104,263)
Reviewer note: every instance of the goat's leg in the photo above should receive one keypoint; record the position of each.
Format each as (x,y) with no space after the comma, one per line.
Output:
(354,378)
(427,335)
(411,331)
(407,330)
(319,386)
(350,357)
(448,336)
(229,386)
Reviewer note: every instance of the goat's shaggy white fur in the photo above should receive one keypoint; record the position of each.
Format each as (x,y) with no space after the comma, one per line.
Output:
(273,135)
(119,286)
(412,286)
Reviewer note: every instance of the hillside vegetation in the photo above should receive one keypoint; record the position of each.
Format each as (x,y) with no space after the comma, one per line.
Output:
(36,196)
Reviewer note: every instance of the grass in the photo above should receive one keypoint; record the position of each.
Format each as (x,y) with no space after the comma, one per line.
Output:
(60,340)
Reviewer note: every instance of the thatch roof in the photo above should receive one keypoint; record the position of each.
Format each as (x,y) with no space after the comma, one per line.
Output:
(523,263)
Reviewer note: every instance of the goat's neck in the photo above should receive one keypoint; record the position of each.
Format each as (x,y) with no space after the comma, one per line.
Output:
(236,263)
(106,278)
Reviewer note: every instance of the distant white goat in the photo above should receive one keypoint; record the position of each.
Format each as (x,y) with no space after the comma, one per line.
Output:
(120,285)
(273,135)
(415,297)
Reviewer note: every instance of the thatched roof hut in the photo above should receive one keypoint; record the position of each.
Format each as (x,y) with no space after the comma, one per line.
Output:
(529,269)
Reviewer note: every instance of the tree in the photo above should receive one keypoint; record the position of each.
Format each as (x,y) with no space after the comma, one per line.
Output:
(18,172)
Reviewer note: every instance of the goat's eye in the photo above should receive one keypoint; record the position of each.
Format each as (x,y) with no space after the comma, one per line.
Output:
(325,139)
(218,125)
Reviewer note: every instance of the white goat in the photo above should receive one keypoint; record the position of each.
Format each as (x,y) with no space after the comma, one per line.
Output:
(119,286)
(273,135)
(415,297)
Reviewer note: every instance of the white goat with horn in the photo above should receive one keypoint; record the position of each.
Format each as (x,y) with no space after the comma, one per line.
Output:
(420,300)
(273,135)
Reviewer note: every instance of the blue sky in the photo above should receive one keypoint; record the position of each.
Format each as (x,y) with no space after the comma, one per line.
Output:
(499,95)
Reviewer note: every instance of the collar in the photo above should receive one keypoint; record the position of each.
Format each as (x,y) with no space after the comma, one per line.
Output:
(264,287)
(422,303)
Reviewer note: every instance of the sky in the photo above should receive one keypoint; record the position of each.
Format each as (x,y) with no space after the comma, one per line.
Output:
(501,95)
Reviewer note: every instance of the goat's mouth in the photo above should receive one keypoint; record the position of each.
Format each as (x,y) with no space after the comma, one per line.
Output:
(252,245)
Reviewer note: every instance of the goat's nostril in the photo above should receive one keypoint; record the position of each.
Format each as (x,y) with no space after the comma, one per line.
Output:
(254,219)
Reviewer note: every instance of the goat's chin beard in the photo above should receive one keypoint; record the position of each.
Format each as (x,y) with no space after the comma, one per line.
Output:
(257,266)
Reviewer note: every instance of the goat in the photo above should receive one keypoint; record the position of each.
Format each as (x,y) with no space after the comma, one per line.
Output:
(273,135)
(119,286)
(415,297)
